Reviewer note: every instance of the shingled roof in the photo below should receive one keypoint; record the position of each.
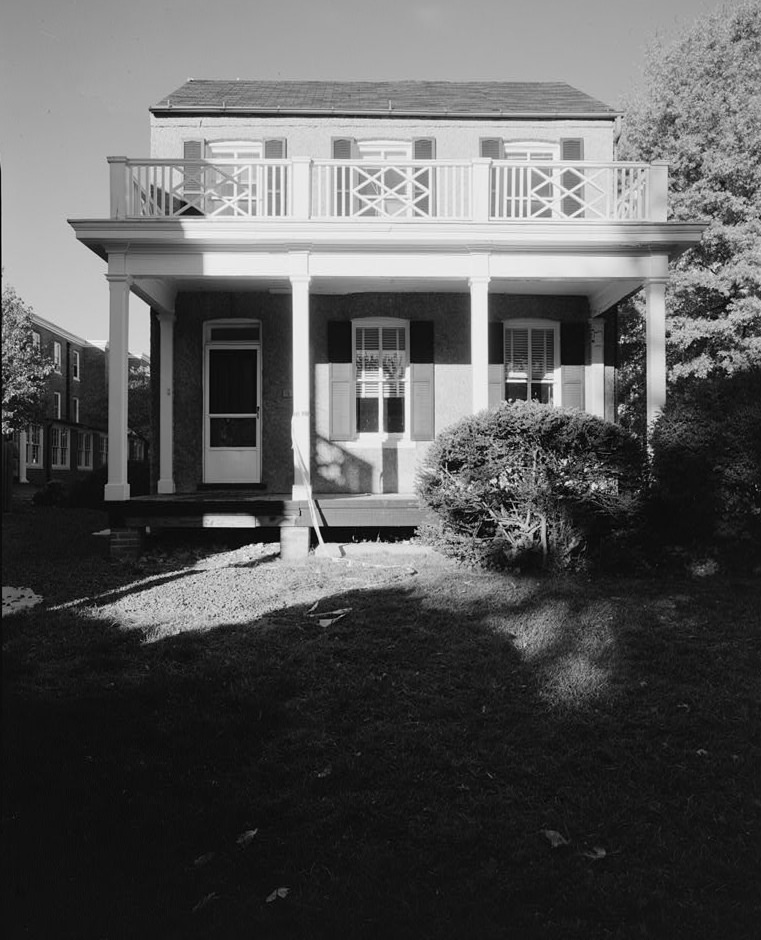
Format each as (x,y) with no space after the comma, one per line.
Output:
(406,98)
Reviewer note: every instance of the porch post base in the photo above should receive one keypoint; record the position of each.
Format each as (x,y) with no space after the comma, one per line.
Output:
(294,542)
(124,543)
(116,492)
(299,492)
(165,487)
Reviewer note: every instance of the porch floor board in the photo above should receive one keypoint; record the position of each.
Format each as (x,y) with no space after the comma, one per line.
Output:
(253,509)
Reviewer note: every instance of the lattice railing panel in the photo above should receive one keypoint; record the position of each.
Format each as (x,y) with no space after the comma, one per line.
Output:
(420,190)
(181,189)
(563,191)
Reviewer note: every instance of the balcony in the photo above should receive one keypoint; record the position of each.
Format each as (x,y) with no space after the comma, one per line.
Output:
(434,190)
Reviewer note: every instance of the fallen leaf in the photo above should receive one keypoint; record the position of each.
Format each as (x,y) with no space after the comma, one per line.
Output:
(278,894)
(595,853)
(246,838)
(204,859)
(702,752)
(204,901)
(555,838)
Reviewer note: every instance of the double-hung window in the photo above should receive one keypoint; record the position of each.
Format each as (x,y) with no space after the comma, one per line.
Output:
(57,356)
(380,367)
(76,366)
(57,406)
(84,451)
(532,361)
(234,178)
(34,445)
(59,448)
(75,410)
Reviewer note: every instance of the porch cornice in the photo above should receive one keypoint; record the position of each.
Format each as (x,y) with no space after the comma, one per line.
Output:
(170,235)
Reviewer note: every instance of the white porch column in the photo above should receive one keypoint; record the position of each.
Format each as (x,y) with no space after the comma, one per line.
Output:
(655,349)
(301,421)
(22,477)
(479,341)
(594,374)
(117,487)
(166,403)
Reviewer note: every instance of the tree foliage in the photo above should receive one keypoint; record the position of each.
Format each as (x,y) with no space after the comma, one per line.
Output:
(139,399)
(24,367)
(699,108)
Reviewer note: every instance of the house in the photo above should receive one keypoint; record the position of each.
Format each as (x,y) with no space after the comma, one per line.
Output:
(338,270)
(71,439)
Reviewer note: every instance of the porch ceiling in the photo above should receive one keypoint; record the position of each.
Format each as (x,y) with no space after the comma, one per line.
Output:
(602,293)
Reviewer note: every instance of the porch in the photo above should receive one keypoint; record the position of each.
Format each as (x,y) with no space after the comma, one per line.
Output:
(251,509)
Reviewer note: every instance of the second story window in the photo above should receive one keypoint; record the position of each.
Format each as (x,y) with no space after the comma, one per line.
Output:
(57,406)
(57,356)
(231,178)
(538,189)
(36,340)
(76,367)
(75,410)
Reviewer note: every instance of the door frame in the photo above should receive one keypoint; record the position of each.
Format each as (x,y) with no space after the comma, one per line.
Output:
(234,464)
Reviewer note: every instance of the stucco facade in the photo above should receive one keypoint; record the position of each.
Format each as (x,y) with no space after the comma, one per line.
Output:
(338,271)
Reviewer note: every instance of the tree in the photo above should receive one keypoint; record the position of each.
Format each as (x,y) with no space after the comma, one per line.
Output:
(24,367)
(139,398)
(699,108)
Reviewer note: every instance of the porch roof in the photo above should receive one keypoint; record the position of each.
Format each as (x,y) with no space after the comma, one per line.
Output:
(387,98)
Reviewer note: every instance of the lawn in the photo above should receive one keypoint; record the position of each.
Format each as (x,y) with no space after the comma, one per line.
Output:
(196,746)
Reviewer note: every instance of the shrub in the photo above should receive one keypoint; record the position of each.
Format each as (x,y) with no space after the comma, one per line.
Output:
(525,483)
(706,462)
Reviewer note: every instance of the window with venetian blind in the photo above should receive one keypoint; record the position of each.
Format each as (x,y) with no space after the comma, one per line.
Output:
(530,362)
(381,379)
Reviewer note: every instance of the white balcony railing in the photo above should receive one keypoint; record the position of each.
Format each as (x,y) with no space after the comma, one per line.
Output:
(480,190)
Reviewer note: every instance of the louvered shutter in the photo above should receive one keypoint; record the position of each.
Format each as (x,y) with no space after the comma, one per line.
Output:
(423,148)
(422,402)
(492,147)
(275,193)
(341,381)
(344,148)
(573,339)
(572,150)
(496,363)
(192,188)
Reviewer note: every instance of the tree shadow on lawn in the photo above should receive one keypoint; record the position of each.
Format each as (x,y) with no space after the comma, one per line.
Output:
(392,769)
(57,553)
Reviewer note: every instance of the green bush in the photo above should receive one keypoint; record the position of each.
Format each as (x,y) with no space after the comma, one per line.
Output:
(528,484)
(706,462)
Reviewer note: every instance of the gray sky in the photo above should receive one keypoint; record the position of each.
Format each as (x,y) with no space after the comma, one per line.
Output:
(77,78)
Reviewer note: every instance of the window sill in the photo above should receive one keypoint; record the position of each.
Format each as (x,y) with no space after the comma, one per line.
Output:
(388,441)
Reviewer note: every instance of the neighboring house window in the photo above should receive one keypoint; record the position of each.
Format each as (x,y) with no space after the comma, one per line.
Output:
(381,379)
(59,448)
(76,369)
(57,406)
(57,357)
(36,340)
(380,375)
(75,410)
(34,445)
(136,448)
(102,449)
(84,451)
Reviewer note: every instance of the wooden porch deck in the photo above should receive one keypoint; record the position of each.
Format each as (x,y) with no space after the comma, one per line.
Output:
(248,509)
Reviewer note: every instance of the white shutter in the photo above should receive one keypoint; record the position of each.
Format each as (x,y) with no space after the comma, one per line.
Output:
(572,387)
(341,401)
(422,401)
(496,384)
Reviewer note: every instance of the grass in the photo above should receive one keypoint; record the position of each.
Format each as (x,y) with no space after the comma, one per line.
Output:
(396,770)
